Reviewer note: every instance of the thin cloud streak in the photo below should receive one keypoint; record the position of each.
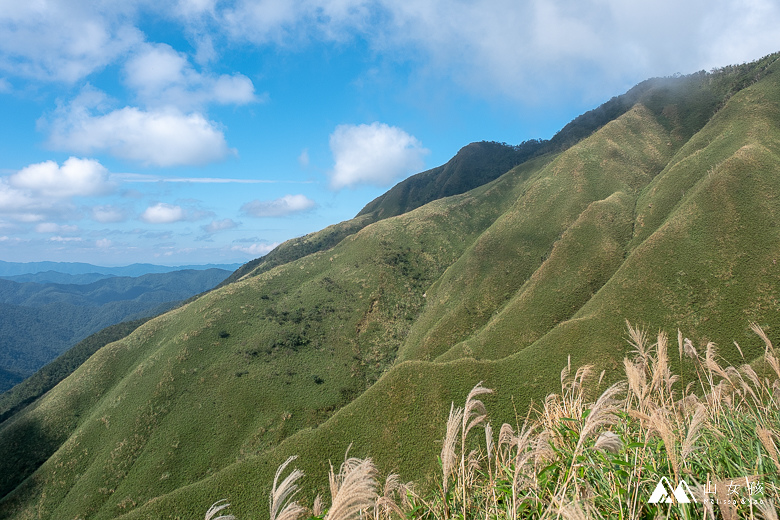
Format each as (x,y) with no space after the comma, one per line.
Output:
(144,178)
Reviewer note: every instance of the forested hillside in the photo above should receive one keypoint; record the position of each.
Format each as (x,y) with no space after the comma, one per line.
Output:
(38,321)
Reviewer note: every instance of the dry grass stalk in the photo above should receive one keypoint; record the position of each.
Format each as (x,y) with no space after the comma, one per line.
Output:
(659,422)
(353,489)
(474,413)
(215,508)
(695,428)
(387,503)
(637,383)
(609,442)
(765,436)
(574,511)
(448,449)
(638,340)
(489,439)
(768,510)
(602,413)
(318,507)
(282,493)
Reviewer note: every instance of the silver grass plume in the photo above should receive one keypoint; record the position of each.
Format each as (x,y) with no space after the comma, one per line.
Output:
(767,510)
(765,436)
(474,412)
(448,453)
(355,489)
(215,508)
(318,507)
(609,442)
(638,340)
(387,504)
(698,421)
(489,439)
(602,413)
(282,493)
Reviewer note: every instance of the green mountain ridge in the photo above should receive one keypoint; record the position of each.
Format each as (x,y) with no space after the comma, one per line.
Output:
(665,215)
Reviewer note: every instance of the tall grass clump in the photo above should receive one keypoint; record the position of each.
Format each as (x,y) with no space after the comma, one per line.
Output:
(578,456)
(598,451)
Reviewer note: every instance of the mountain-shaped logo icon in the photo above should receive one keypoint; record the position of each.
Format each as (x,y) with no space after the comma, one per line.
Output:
(663,493)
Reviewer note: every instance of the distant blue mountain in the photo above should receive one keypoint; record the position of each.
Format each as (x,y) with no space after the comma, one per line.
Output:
(58,278)
(77,268)
(39,321)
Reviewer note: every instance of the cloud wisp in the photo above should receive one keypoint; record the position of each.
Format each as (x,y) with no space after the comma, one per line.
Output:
(281,207)
(147,178)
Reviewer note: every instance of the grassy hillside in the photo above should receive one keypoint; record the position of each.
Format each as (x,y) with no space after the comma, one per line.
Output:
(665,216)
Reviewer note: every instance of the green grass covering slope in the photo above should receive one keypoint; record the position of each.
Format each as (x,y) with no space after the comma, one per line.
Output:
(368,341)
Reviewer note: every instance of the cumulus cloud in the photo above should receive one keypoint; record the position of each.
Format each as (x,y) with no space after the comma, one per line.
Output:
(280,207)
(162,213)
(44,191)
(164,137)
(164,77)
(76,177)
(375,154)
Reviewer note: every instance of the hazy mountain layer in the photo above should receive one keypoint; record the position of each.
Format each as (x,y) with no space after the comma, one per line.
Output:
(79,268)
(40,320)
(665,216)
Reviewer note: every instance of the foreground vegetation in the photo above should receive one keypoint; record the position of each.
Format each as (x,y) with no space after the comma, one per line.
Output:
(575,457)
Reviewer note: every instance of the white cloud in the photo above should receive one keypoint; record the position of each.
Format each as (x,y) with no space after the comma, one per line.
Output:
(51,227)
(103,243)
(76,177)
(525,49)
(375,154)
(258,249)
(164,137)
(518,48)
(219,225)
(280,207)
(164,77)
(162,213)
(44,191)
(63,40)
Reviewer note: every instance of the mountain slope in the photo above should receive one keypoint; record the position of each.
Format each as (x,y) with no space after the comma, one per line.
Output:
(663,216)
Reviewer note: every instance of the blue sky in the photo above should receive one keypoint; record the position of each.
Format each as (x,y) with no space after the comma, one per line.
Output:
(206,131)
